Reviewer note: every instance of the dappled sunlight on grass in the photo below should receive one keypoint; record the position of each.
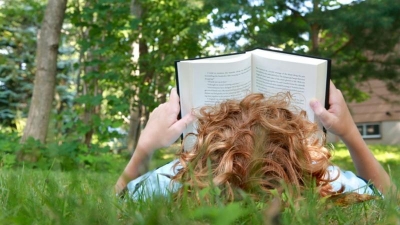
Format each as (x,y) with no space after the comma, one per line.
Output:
(389,156)
(340,153)
(168,156)
(382,153)
(386,153)
(341,158)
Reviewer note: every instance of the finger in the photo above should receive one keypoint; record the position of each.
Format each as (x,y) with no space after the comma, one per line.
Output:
(332,86)
(174,97)
(336,101)
(174,101)
(323,115)
(180,125)
(332,92)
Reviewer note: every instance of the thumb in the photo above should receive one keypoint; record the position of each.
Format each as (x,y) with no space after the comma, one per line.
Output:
(316,107)
(323,115)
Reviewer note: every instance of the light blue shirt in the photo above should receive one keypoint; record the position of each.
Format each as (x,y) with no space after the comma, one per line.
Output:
(155,182)
(349,181)
(158,182)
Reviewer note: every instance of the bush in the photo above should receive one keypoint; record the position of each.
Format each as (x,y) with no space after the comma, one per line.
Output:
(61,156)
(9,143)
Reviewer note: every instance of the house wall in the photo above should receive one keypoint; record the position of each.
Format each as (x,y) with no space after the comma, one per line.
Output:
(390,134)
(382,105)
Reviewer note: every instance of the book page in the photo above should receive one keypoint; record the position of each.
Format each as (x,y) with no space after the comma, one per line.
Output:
(214,82)
(303,77)
(270,82)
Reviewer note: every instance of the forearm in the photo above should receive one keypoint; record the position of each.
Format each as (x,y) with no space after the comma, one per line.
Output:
(137,165)
(366,164)
(162,129)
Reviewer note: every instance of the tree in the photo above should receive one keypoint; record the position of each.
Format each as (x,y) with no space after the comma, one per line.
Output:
(46,65)
(344,32)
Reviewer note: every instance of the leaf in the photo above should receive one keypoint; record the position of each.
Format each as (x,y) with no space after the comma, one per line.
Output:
(350,198)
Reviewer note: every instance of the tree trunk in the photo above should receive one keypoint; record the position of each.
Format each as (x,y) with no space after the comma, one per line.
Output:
(135,104)
(92,88)
(315,29)
(134,128)
(45,77)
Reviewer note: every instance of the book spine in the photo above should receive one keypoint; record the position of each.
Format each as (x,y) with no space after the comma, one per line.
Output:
(177,86)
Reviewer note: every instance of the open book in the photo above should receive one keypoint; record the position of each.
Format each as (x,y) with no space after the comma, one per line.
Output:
(208,81)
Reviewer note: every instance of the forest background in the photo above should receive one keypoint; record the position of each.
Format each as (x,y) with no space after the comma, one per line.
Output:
(114,62)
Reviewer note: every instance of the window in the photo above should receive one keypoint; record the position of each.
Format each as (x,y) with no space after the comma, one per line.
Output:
(370,130)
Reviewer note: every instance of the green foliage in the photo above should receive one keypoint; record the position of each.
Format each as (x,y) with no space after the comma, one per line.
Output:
(53,156)
(102,70)
(8,146)
(177,34)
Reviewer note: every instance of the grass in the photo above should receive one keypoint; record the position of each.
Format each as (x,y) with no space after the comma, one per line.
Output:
(43,197)
(46,197)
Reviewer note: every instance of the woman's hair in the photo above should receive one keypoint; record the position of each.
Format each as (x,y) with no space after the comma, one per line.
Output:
(255,145)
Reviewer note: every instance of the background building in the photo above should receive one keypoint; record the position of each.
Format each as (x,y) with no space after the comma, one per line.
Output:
(378,118)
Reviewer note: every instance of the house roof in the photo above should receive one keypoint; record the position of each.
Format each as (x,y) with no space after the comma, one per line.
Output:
(382,105)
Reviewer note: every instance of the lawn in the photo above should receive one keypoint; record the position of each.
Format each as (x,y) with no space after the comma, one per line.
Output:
(30,196)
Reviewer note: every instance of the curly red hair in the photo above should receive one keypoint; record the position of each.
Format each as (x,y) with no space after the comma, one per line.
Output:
(255,145)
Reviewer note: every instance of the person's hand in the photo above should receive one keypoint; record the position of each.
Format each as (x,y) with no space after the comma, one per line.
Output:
(163,127)
(337,119)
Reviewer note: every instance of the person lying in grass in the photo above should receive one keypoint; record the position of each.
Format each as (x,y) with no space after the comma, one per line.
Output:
(254,146)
